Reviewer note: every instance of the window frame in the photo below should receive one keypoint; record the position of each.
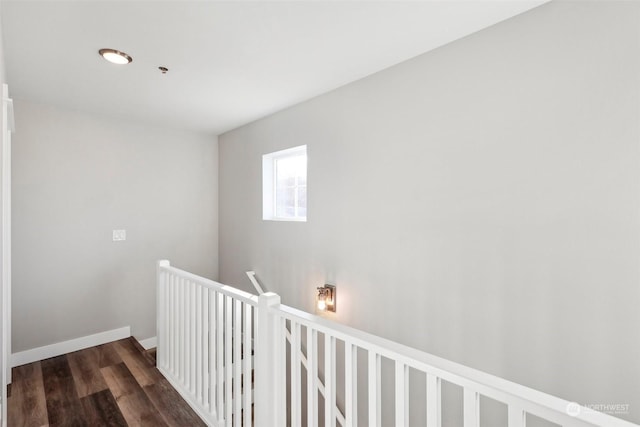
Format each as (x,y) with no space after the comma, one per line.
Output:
(270,184)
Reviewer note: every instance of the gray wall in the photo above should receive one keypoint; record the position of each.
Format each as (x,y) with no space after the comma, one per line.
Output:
(2,314)
(3,69)
(479,202)
(76,177)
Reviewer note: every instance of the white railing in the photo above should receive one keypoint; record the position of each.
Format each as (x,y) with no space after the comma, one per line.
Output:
(308,329)
(302,356)
(286,389)
(205,332)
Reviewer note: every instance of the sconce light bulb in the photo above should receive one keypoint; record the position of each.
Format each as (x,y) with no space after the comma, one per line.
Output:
(322,305)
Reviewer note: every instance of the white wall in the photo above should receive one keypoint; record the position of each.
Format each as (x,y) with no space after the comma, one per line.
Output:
(76,177)
(479,202)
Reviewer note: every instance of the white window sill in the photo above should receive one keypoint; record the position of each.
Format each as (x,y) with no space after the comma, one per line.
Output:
(285,219)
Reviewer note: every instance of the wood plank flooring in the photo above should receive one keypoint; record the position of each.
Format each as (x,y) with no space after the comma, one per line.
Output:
(114,384)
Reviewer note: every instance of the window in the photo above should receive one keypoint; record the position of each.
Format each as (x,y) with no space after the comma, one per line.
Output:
(284,185)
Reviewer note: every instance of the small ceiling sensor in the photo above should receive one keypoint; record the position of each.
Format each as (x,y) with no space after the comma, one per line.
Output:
(163,69)
(115,56)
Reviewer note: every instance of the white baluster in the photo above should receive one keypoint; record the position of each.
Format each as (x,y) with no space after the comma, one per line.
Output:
(281,362)
(237,363)
(174,330)
(374,390)
(160,313)
(296,404)
(206,320)
(220,357)
(471,408)
(199,351)
(213,322)
(174,325)
(247,362)
(168,351)
(516,416)
(312,377)
(351,384)
(329,380)
(181,349)
(434,403)
(228,357)
(206,337)
(402,395)
(192,335)
(187,334)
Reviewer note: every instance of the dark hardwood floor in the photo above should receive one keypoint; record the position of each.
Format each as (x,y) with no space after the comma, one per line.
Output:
(114,384)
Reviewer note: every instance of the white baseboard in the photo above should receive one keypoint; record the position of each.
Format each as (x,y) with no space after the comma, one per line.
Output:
(64,347)
(149,343)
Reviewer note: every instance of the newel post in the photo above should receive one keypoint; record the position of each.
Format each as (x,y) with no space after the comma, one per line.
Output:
(161,294)
(268,380)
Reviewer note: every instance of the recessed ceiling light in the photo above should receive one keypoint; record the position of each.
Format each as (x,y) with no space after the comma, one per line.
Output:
(115,56)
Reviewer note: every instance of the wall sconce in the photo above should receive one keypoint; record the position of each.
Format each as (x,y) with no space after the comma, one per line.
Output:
(326,298)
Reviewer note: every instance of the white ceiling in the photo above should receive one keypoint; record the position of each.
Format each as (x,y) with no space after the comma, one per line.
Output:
(229,62)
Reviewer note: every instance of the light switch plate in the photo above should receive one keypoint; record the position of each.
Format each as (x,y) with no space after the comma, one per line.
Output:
(119,235)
